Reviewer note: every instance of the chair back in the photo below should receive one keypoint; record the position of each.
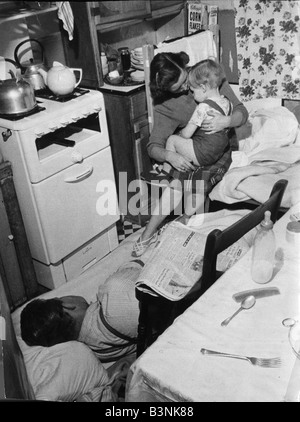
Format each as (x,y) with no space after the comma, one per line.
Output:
(199,46)
(217,241)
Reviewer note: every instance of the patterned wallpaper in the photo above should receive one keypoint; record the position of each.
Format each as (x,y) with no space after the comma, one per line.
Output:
(267,37)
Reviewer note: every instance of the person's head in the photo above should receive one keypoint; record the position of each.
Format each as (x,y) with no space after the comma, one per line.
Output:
(168,75)
(204,77)
(52,321)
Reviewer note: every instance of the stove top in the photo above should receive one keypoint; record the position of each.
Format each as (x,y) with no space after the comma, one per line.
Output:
(19,116)
(47,94)
(53,113)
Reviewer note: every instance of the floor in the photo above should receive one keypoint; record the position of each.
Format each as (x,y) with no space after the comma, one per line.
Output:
(125,229)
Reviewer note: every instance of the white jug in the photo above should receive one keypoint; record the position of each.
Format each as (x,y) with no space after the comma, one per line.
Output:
(61,79)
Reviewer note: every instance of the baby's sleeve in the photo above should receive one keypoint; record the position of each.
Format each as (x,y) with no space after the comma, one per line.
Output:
(199,115)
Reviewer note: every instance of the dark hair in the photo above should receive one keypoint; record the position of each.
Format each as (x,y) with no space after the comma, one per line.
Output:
(206,72)
(44,323)
(165,70)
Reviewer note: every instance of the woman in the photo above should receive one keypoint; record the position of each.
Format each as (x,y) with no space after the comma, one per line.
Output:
(174,105)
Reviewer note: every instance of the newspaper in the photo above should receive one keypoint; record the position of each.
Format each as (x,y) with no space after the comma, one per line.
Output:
(175,264)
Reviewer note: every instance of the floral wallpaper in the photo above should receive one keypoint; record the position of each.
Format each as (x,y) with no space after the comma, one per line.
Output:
(268,39)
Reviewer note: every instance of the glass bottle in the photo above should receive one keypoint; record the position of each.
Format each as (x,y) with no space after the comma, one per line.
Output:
(104,64)
(112,64)
(125,58)
(263,253)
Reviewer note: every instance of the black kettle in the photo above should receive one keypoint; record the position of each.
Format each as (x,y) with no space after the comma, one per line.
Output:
(29,69)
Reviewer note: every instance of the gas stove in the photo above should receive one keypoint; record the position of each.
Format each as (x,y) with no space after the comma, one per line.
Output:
(19,116)
(46,93)
(53,113)
(60,157)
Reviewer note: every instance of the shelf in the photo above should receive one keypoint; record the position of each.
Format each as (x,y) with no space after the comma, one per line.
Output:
(155,14)
(9,15)
(167,11)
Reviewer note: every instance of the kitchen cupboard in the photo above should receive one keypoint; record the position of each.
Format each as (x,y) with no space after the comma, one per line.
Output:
(116,11)
(135,24)
(127,120)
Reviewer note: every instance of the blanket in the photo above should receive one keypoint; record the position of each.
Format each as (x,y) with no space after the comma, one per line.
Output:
(270,153)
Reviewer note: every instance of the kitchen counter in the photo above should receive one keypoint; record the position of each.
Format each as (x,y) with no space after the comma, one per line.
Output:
(121,89)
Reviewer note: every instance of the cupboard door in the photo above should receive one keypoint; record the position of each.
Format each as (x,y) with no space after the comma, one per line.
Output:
(76,211)
(114,11)
(161,4)
(84,50)
(143,164)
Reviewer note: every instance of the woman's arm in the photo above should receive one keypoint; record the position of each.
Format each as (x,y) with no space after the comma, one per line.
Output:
(167,118)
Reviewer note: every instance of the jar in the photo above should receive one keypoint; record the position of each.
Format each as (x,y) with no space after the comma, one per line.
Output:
(125,58)
(112,64)
(104,64)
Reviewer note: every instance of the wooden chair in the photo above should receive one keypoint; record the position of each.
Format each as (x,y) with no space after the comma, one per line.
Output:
(157,313)
(207,44)
(209,37)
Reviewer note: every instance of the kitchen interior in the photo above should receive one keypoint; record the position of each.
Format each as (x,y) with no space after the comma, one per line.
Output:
(58,146)
(35,36)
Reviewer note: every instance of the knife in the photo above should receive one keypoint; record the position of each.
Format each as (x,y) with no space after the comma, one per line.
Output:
(257,293)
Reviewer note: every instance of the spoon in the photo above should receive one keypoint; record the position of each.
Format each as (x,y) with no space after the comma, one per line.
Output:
(247,303)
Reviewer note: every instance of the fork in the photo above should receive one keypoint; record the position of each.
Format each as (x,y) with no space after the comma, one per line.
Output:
(263,362)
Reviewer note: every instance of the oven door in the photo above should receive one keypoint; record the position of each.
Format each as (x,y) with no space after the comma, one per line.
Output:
(76,205)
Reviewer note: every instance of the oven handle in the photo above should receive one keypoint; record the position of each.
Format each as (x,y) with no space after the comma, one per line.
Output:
(80,177)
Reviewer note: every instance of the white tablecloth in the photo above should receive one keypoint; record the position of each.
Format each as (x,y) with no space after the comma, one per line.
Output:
(173,369)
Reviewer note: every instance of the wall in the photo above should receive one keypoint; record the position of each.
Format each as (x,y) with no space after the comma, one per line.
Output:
(38,25)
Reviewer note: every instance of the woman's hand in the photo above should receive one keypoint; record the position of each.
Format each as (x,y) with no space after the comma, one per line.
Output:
(216,123)
(179,162)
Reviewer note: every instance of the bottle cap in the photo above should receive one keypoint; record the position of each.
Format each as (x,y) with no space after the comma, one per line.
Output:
(267,223)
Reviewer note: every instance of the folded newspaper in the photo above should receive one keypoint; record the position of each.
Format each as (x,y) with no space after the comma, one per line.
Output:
(175,264)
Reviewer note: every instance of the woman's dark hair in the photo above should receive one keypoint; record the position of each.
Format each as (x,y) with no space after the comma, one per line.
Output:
(165,70)
(44,323)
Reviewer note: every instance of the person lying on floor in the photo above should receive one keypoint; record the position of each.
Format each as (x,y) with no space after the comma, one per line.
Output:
(108,325)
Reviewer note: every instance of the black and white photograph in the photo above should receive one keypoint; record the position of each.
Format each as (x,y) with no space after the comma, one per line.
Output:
(150,204)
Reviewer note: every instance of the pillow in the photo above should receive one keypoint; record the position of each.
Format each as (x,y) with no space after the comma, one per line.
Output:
(245,130)
(64,372)
(67,372)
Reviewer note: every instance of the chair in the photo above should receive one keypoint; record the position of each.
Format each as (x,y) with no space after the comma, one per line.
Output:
(157,313)
(206,42)
(199,45)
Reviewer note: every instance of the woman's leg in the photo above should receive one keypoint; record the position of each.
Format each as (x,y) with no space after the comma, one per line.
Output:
(168,202)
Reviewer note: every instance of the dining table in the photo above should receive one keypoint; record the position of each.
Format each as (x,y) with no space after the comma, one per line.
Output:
(173,369)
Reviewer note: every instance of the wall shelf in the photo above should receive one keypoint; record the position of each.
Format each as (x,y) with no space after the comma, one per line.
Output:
(10,15)
(155,14)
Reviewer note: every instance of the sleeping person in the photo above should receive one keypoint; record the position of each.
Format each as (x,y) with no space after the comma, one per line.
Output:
(108,325)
